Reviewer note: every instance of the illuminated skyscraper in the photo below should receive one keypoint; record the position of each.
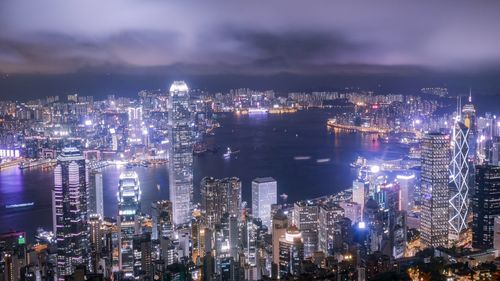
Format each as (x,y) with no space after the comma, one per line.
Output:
(129,206)
(162,219)
(69,207)
(291,252)
(485,206)
(469,120)
(264,194)
(96,205)
(180,165)
(435,191)
(219,197)
(459,185)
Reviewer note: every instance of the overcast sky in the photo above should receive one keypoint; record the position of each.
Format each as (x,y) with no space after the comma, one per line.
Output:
(250,37)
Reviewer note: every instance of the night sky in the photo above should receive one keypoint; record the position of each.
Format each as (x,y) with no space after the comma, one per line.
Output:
(120,47)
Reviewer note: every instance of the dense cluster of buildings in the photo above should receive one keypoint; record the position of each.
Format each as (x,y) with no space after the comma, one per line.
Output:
(387,222)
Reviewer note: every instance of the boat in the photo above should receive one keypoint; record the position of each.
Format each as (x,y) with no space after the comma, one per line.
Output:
(323,160)
(301,157)
(20,205)
(228,153)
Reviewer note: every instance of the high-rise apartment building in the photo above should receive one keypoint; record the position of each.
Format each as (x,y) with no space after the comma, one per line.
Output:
(219,197)
(69,209)
(435,191)
(264,194)
(180,165)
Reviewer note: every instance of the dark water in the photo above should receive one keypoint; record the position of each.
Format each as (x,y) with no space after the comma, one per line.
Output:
(267,145)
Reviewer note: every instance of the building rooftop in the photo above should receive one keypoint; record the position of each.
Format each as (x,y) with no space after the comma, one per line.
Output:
(264,180)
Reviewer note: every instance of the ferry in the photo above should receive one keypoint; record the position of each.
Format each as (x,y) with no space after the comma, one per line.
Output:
(228,153)
(323,160)
(257,111)
(301,157)
(20,205)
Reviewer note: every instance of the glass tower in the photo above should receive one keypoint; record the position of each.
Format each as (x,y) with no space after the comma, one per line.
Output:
(459,185)
(264,194)
(129,206)
(435,191)
(180,164)
(69,211)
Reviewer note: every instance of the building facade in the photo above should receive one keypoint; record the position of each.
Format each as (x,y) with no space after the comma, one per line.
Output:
(180,165)
(69,206)
(435,191)
(264,194)
(129,207)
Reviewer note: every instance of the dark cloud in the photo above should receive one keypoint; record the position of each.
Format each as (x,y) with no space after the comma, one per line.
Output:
(250,38)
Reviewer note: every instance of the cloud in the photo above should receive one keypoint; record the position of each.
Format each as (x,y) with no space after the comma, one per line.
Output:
(248,37)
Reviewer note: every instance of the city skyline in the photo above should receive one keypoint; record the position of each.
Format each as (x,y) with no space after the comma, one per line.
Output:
(249,141)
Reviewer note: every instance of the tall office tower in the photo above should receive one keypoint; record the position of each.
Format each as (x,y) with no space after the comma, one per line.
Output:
(162,219)
(69,211)
(406,191)
(129,207)
(352,211)
(135,130)
(96,205)
(143,263)
(180,166)
(305,217)
(291,252)
(96,236)
(328,216)
(485,205)
(264,194)
(435,191)
(280,225)
(459,185)
(469,120)
(360,192)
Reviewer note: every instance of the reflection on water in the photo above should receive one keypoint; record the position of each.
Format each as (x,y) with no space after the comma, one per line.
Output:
(268,146)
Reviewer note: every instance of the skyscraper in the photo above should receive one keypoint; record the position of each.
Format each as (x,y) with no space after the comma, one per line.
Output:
(219,197)
(162,219)
(469,120)
(180,165)
(129,206)
(435,191)
(96,205)
(459,185)
(328,216)
(291,252)
(280,225)
(69,208)
(485,205)
(264,194)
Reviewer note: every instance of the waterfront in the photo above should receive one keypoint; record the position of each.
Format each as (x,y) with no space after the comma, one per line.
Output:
(269,146)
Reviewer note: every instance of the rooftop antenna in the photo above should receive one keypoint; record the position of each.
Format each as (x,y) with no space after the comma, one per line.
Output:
(470,95)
